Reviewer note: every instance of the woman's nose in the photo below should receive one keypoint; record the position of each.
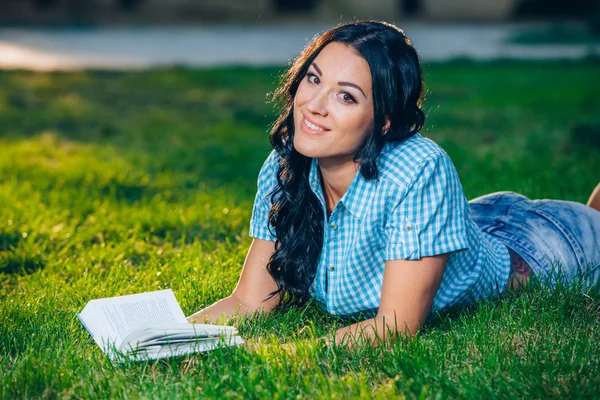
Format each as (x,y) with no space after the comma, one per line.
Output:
(318,103)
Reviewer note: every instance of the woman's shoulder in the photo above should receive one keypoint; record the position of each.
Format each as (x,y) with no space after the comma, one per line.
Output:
(404,162)
(270,165)
(267,177)
(272,161)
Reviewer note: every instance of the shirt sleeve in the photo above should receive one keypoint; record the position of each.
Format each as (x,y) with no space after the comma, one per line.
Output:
(431,218)
(267,182)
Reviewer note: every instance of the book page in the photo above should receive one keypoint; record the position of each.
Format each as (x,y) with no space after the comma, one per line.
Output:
(116,317)
(175,350)
(94,325)
(148,334)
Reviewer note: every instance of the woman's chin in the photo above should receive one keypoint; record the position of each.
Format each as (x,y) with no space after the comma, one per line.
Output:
(308,153)
(307,150)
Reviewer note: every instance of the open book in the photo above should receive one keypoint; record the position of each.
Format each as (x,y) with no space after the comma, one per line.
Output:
(148,326)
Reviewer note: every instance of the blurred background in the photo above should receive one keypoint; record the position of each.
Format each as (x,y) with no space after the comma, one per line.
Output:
(65,34)
(192,11)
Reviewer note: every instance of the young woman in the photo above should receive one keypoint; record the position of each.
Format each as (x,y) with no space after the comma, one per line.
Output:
(358,210)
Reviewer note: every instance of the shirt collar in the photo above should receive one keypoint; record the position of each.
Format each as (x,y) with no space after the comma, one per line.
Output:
(354,198)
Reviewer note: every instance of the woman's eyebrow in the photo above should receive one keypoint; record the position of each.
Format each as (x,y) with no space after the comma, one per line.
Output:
(354,86)
(317,68)
(340,83)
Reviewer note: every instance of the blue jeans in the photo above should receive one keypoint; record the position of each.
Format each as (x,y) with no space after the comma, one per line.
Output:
(560,240)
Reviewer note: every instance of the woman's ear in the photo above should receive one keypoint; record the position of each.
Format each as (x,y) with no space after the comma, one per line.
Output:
(386,126)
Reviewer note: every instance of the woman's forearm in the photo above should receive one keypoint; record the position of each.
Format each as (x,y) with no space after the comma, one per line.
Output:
(253,291)
(369,331)
(220,310)
(372,330)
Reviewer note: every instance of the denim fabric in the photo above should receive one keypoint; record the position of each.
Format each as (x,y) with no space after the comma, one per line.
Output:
(560,240)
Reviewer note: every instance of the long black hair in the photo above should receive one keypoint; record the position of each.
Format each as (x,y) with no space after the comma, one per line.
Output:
(296,213)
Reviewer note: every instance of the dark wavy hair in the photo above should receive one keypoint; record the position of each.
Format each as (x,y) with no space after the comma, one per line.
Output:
(296,214)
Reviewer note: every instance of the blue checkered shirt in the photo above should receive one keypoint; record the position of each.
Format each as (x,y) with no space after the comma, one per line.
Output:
(415,208)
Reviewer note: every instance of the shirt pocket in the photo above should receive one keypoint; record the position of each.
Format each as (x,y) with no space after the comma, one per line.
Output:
(403,240)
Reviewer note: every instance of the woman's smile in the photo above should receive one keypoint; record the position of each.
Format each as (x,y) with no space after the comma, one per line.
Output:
(310,127)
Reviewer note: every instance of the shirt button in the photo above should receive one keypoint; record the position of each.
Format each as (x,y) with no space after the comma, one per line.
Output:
(333,226)
(408,227)
(331,267)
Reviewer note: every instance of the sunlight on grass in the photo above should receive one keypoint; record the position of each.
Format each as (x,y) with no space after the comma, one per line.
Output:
(114,183)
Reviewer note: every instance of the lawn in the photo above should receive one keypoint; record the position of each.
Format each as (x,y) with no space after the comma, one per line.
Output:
(115,183)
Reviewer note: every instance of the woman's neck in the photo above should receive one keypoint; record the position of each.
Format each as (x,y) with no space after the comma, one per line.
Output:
(336,178)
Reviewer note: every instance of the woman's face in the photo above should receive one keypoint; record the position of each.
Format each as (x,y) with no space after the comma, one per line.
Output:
(333,107)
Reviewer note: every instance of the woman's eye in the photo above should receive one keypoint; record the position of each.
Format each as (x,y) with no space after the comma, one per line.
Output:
(346,98)
(311,80)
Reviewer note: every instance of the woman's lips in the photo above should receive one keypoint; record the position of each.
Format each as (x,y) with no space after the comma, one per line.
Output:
(310,131)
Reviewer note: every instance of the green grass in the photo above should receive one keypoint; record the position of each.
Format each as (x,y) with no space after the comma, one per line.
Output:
(117,183)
